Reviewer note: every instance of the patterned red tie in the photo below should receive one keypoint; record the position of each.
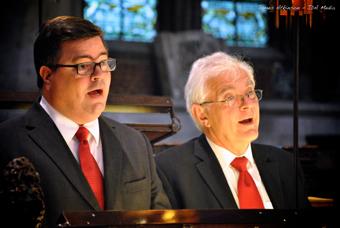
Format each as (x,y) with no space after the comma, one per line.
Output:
(89,166)
(248,195)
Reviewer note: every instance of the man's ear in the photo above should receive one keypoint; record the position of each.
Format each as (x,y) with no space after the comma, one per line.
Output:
(200,115)
(45,73)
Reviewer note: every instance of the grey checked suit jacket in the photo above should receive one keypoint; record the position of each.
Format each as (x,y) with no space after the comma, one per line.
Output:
(130,177)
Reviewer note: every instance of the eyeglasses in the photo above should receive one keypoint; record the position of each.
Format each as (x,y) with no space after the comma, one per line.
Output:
(88,68)
(255,94)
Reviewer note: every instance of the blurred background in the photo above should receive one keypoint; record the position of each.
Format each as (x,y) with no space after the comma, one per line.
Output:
(156,41)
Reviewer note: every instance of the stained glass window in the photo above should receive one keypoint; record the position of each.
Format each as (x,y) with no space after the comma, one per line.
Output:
(240,23)
(129,20)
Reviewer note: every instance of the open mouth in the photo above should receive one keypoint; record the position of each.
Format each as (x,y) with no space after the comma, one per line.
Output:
(246,121)
(96,92)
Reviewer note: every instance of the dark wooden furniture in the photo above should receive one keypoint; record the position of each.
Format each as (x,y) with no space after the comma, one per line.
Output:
(147,105)
(200,218)
(118,103)
(319,164)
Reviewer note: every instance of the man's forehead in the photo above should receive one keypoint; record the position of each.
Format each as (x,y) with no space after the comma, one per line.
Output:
(90,48)
(227,82)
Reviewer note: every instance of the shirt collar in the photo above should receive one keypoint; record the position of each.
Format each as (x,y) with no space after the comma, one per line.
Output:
(93,128)
(228,155)
(66,126)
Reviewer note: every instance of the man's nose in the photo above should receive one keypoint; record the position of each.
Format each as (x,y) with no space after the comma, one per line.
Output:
(244,101)
(97,72)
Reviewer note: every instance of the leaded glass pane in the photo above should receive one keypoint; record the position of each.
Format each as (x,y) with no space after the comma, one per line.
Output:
(240,23)
(130,20)
(218,19)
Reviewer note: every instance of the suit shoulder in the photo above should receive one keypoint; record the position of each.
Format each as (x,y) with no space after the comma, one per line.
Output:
(119,126)
(266,147)
(178,151)
(271,150)
(11,126)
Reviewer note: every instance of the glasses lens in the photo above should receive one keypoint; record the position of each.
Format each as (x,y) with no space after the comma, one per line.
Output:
(258,94)
(108,65)
(85,68)
(112,64)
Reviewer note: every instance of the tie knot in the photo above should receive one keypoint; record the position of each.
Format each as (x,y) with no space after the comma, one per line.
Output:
(240,163)
(82,133)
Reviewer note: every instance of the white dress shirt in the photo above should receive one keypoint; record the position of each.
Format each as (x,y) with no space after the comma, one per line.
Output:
(68,129)
(225,157)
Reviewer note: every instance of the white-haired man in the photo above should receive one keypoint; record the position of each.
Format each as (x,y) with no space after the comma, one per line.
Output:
(223,168)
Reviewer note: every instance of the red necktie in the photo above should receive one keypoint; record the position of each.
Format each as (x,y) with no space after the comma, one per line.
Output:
(248,195)
(89,166)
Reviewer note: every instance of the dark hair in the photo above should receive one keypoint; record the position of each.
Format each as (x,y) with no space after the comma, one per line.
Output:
(53,33)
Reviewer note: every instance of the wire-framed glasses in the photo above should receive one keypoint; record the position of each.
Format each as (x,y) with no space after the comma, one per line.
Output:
(231,99)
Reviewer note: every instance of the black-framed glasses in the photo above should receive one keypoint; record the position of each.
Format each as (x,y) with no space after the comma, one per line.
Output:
(253,95)
(88,68)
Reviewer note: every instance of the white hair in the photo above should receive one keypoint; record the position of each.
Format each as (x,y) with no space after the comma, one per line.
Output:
(205,68)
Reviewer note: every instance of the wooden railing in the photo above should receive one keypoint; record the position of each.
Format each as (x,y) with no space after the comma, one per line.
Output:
(139,104)
(200,218)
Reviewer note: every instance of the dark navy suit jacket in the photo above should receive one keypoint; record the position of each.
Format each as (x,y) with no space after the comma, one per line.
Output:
(193,177)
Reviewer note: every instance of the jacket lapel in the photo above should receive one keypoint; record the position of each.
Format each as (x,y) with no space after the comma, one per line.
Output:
(113,155)
(212,174)
(269,172)
(44,133)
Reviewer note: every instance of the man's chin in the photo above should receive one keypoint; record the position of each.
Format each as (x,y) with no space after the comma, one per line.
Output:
(251,135)
(97,110)
(92,112)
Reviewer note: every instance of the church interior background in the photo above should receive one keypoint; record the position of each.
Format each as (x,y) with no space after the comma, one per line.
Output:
(155,42)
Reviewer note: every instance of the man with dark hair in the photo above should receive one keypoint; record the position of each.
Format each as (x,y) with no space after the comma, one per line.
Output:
(85,161)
